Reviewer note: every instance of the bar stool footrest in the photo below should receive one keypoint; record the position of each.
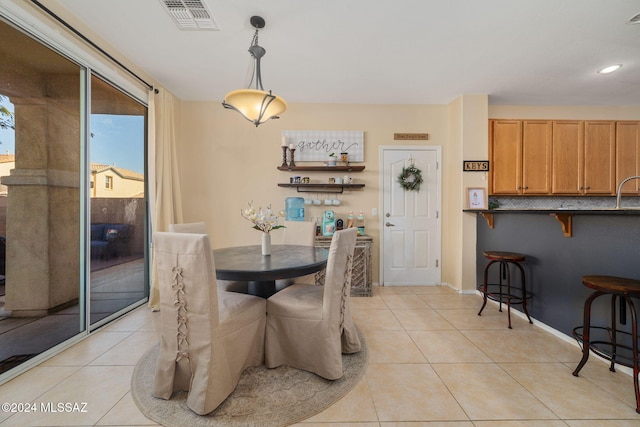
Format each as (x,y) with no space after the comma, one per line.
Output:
(623,354)
(493,293)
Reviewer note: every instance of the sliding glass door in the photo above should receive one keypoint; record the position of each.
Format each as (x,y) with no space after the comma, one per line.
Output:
(117,202)
(72,200)
(40,200)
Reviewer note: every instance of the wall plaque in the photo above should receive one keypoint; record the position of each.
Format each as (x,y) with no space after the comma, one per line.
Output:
(475,166)
(410,136)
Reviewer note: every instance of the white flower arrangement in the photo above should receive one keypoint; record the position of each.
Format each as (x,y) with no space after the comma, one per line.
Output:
(264,220)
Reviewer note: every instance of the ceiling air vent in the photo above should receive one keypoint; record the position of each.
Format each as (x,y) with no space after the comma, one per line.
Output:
(190,14)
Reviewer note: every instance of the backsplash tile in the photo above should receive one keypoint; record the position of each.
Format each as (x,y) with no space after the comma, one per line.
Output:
(576,203)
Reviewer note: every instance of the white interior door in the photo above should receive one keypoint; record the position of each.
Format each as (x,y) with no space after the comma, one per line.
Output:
(410,248)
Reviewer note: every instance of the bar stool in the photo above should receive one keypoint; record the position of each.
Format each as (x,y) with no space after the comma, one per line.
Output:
(496,292)
(623,291)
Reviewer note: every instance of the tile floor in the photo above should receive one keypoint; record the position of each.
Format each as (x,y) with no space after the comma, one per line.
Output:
(432,363)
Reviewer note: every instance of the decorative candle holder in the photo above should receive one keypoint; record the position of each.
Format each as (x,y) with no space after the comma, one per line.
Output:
(292,162)
(284,156)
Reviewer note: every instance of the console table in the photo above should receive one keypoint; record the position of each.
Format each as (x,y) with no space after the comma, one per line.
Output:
(361,277)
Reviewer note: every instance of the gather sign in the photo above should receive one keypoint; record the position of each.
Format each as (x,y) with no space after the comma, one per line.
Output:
(316,145)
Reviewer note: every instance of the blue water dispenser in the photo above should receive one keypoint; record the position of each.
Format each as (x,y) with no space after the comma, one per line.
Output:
(294,208)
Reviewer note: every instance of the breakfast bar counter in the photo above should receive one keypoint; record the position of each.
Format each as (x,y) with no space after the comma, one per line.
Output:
(603,242)
(563,216)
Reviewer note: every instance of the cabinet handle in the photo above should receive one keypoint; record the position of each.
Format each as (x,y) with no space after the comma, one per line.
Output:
(519,187)
(588,187)
(526,187)
(581,188)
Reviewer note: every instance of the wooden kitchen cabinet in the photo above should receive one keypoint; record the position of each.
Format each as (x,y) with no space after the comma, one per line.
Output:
(536,156)
(567,142)
(584,155)
(505,154)
(563,157)
(520,153)
(628,155)
(599,157)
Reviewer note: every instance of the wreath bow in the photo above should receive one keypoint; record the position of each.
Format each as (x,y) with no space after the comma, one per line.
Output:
(410,178)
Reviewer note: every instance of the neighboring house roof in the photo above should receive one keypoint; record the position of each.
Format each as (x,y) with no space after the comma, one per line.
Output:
(124,173)
(95,168)
(7,158)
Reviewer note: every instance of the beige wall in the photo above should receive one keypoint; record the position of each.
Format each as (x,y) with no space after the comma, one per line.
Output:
(226,162)
(469,141)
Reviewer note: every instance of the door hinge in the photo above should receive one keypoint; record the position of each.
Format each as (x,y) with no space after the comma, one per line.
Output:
(436,263)
(437,214)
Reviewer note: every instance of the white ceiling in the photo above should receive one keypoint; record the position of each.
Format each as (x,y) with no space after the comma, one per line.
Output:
(527,52)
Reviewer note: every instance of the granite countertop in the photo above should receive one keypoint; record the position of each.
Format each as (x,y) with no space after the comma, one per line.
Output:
(596,211)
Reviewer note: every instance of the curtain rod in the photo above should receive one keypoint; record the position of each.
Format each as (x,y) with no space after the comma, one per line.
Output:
(92,44)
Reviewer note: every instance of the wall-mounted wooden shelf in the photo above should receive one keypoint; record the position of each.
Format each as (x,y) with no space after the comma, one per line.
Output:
(348,168)
(321,188)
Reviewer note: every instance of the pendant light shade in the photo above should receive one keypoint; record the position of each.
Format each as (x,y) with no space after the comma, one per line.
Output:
(255,104)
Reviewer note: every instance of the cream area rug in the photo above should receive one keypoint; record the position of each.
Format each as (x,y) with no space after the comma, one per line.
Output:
(263,397)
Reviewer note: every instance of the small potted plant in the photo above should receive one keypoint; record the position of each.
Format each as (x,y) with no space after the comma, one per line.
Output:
(332,159)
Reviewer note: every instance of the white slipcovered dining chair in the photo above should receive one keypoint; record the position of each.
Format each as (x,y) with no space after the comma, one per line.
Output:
(189,227)
(201,228)
(309,327)
(297,233)
(208,336)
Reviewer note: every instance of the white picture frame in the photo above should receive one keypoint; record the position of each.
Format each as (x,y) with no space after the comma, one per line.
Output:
(477,198)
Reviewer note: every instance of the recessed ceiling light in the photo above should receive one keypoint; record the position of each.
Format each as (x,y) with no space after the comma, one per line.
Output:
(610,69)
(634,20)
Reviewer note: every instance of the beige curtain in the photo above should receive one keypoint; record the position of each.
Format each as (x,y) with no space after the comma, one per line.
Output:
(165,202)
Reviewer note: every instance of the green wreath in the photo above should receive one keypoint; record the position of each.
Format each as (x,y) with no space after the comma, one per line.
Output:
(410,178)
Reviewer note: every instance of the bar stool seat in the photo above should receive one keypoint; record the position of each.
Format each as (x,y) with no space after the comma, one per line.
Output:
(504,291)
(622,290)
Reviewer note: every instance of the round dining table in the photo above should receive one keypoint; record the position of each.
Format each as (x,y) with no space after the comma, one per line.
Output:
(247,264)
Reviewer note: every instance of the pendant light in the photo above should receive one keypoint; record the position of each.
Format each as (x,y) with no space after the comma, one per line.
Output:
(255,104)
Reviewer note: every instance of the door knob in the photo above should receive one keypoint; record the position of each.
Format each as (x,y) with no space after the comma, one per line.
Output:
(388,224)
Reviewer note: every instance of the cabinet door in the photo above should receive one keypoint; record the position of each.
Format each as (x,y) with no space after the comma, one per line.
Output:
(536,157)
(628,155)
(567,157)
(506,156)
(599,157)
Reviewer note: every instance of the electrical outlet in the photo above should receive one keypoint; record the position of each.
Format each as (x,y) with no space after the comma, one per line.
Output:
(374,211)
